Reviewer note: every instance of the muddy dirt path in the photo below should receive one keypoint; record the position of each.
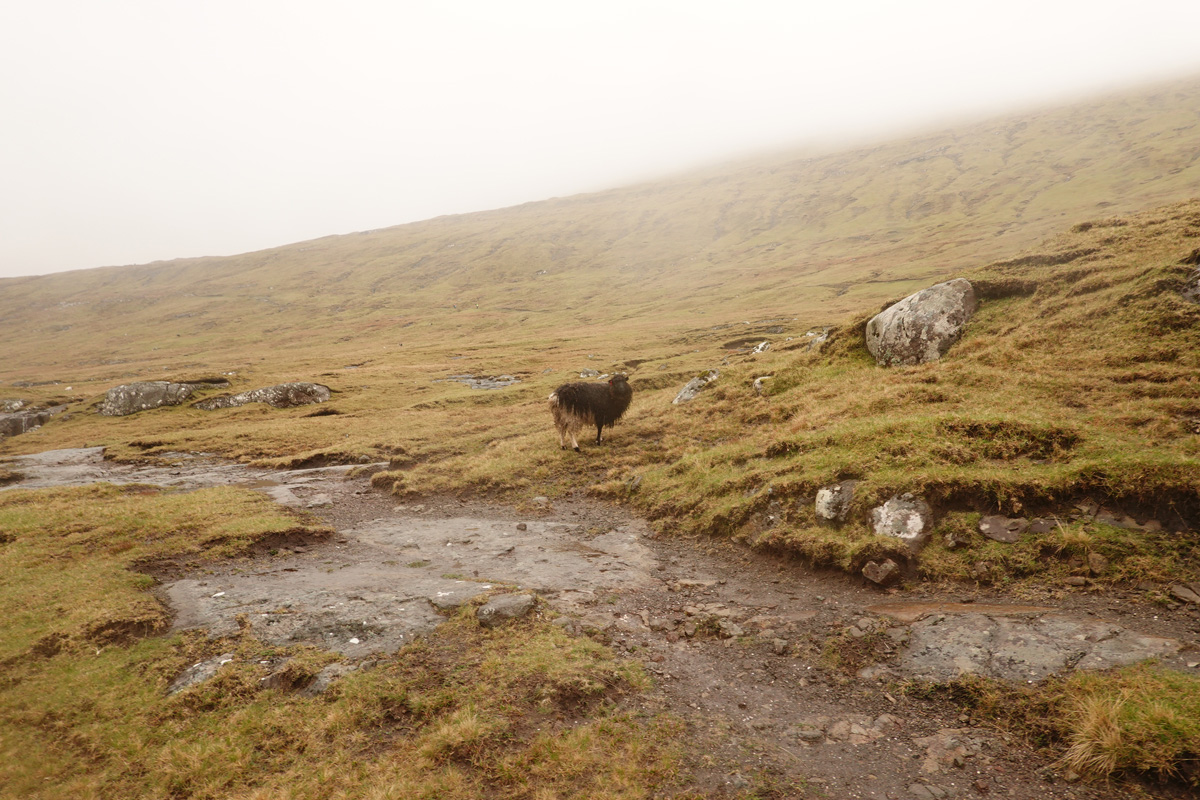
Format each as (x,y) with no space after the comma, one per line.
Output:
(777,669)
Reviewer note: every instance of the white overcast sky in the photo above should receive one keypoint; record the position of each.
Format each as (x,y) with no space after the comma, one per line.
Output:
(137,131)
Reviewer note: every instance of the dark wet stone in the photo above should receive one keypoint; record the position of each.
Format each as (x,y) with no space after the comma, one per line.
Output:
(1003,529)
(1042,525)
(885,573)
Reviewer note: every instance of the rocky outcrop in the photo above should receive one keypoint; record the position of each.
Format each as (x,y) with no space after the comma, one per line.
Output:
(833,502)
(19,422)
(904,517)
(131,398)
(283,395)
(484,381)
(1191,289)
(694,386)
(922,326)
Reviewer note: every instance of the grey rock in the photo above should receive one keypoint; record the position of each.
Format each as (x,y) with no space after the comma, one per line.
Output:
(1097,564)
(199,673)
(1021,647)
(131,398)
(922,326)
(1003,529)
(283,395)
(1191,289)
(886,573)
(981,570)
(11,406)
(760,385)
(816,340)
(833,502)
(1042,525)
(955,539)
(18,422)
(694,386)
(904,517)
(1184,593)
(484,382)
(503,608)
(326,678)
(729,630)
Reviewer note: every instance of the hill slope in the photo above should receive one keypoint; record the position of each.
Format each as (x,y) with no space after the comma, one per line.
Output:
(1076,380)
(812,238)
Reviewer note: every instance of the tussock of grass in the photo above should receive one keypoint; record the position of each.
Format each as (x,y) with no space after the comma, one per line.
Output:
(1140,719)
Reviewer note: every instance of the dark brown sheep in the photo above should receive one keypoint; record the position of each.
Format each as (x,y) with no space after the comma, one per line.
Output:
(577,404)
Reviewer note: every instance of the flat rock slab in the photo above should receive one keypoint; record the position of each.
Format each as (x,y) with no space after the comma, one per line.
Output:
(1021,648)
(84,465)
(388,588)
(908,612)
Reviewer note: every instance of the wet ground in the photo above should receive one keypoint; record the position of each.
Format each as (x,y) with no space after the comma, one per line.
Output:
(776,668)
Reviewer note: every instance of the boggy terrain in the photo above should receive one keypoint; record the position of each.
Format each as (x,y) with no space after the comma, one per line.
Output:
(789,682)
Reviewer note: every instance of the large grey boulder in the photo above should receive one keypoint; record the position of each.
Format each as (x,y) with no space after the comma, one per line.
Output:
(283,395)
(694,386)
(131,398)
(922,326)
(904,517)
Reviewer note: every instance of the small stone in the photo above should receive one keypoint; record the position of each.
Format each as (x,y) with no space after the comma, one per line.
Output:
(1097,564)
(981,570)
(1003,529)
(521,526)
(1183,593)
(885,573)
(729,630)
(1076,580)
(780,646)
(1041,525)
(503,608)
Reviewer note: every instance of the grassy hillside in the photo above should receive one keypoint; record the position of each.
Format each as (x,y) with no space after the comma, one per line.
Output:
(1077,376)
(810,238)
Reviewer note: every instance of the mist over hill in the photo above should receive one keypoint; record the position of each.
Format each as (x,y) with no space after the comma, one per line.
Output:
(803,237)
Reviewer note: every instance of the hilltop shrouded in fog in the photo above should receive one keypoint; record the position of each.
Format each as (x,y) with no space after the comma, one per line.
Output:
(139,131)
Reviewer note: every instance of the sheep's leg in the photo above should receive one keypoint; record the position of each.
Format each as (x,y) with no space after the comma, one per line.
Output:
(574,442)
(599,428)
